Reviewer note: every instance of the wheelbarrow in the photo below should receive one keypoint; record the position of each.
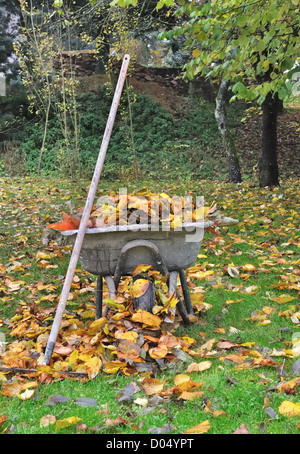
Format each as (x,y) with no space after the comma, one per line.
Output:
(130,243)
(113,252)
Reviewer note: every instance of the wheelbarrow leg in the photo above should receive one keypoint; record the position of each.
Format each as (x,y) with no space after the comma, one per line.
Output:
(99,297)
(172,283)
(186,293)
(111,290)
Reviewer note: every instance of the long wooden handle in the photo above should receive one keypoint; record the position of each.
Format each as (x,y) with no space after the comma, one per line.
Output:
(86,213)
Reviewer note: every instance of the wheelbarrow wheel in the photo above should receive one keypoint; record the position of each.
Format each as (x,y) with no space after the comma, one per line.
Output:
(147,301)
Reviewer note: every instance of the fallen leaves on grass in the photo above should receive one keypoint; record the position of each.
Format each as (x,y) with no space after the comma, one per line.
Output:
(134,343)
(289,387)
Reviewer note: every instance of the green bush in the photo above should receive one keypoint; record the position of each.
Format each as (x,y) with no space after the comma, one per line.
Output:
(165,146)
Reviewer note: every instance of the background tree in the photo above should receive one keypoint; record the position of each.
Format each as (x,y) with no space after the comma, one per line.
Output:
(9,19)
(261,39)
(234,170)
(50,85)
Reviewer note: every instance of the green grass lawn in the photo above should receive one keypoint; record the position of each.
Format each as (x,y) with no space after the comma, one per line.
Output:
(263,248)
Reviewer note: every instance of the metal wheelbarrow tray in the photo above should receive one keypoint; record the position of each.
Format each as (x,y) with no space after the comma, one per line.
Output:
(102,247)
(117,250)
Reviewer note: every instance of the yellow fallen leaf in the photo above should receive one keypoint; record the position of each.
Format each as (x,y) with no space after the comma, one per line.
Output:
(111,367)
(140,269)
(93,366)
(220,331)
(146,318)
(197,298)
(289,409)
(90,313)
(184,382)
(26,394)
(96,326)
(234,301)
(269,310)
(264,323)
(73,357)
(200,429)
(139,287)
(249,267)
(247,344)
(181,378)
(201,275)
(217,413)
(62,423)
(283,299)
(130,335)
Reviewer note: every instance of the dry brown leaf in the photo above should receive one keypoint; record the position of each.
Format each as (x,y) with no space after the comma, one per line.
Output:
(46,420)
(152,386)
(15,388)
(290,386)
(63,350)
(128,350)
(225,344)
(241,430)
(3,418)
(198,367)
(158,352)
(190,395)
(116,422)
(208,345)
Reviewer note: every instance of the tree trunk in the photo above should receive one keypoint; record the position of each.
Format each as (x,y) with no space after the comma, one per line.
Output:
(234,171)
(268,166)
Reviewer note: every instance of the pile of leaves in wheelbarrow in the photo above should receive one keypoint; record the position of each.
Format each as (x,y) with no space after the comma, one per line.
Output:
(142,207)
(127,341)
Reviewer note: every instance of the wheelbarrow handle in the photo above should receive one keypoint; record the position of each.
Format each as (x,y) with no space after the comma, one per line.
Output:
(86,213)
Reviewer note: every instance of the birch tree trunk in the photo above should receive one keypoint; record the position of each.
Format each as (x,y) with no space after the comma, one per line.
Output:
(234,171)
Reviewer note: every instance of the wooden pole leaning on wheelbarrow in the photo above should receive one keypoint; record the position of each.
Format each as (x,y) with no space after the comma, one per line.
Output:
(86,213)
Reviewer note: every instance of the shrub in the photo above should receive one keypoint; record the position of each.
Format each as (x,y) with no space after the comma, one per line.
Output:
(165,146)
